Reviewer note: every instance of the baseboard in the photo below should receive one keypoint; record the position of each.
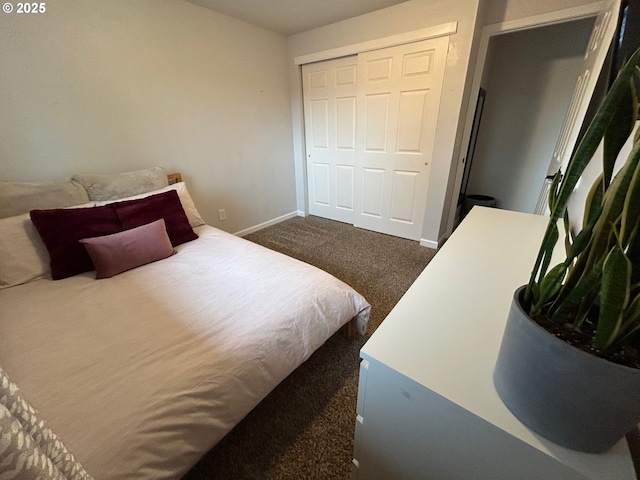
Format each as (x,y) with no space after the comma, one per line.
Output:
(431,244)
(298,213)
(268,223)
(428,243)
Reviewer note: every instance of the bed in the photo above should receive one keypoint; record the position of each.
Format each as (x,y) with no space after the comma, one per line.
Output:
(142,373)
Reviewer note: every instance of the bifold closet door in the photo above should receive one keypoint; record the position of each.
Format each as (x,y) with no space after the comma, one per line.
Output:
(398,99)
(329,90)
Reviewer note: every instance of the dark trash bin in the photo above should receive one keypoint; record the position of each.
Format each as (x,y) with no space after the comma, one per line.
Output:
(471,200)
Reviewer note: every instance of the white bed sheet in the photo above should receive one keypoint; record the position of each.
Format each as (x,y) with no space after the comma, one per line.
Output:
(143,373)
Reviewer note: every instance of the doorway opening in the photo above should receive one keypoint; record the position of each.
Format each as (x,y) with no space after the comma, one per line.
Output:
(529,78)
(604,17)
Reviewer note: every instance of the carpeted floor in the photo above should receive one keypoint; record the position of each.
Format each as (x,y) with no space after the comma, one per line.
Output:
(304,429)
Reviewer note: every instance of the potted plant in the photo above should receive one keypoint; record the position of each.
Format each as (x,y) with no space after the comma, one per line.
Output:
(569,362)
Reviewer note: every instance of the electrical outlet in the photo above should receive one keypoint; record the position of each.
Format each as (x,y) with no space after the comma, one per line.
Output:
(222,214)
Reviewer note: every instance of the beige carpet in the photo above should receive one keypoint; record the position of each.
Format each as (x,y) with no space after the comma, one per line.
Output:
(304,429)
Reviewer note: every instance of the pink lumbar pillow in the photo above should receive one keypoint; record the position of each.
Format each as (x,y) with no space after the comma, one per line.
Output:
(122,251)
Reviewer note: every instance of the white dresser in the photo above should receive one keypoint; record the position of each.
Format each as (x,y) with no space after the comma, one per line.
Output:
(427,407)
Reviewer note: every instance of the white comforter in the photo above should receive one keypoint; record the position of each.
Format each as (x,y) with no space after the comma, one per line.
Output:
(142,373)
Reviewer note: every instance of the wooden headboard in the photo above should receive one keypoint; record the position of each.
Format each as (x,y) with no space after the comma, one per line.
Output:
(174,178)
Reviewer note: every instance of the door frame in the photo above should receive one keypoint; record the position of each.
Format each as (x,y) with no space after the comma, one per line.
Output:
(489,31)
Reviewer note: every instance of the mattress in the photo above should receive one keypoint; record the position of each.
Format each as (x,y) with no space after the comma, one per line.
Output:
(142,373)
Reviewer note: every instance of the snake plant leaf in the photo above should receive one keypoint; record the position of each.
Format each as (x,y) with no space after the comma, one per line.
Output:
(564,308)
(550,285)
(601,220)
(618,131)
(575,246)
(593,202)
(536,292)
(614,297)
(568,235)
(580,243)
(550,244)
(613,203)
(633,253)
(631,208)
(631,319)
(576,262)
(553,190)
(581,157)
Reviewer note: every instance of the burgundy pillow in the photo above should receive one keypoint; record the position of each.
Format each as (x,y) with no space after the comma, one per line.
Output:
(61,229)
(122,251)
(133,213)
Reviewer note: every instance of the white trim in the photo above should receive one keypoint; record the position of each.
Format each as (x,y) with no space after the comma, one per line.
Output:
(429,243)
(268,223)
(423,242)
(526,23)
(544,19)
(441,30)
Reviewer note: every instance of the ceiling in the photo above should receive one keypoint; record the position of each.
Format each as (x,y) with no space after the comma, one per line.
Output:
(294,16)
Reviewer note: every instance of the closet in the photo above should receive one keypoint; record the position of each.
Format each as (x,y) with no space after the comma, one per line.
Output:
(370,122)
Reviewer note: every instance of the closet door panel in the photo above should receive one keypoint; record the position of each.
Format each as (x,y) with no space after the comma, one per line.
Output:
(399,91)
(329,90)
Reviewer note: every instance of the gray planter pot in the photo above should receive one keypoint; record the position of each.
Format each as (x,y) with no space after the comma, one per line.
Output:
(568,396)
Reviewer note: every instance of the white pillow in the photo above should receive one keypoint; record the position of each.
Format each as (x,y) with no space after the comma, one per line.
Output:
(194,217)
(17,198)
(23,255)
(112,187)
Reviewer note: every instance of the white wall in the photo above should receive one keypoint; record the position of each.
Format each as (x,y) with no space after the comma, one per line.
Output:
(109,86)
(530,79)
(405,17)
